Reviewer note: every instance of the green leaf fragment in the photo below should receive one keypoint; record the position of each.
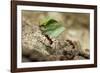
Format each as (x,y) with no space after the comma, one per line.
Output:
(47,21)
(56,32)
(51,27)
